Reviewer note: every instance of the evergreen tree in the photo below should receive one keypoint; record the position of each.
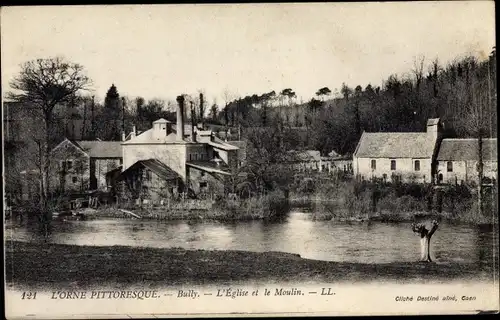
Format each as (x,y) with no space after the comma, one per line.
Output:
(112,112)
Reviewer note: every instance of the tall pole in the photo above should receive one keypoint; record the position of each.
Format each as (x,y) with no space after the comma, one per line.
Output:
(123,114)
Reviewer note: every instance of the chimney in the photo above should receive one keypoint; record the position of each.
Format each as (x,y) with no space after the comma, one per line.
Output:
(123,135)
(193,119)
(180,118)
(133,132)
(433,128)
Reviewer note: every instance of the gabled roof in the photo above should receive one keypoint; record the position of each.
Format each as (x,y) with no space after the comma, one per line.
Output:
(395,145)
(467,149)
(156,166)
(161,120)
(100,149)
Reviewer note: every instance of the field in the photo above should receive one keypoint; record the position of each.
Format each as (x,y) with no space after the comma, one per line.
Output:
(66,266)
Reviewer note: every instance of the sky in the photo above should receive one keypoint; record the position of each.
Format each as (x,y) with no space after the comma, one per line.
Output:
(162,51)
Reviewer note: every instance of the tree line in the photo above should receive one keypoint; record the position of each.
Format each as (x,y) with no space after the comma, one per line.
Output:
(462,93)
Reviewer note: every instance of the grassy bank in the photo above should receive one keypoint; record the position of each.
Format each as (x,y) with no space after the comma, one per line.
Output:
(337,199)
(68,266)
(270,206)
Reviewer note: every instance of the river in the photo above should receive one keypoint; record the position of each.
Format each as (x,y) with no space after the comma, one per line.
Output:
(364,242)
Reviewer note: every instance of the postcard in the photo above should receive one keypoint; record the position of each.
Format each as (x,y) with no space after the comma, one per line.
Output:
(235,160)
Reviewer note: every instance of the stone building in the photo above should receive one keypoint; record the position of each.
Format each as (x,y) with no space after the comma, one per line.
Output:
(407,156)
(198,157)
(457,160)
(82,165)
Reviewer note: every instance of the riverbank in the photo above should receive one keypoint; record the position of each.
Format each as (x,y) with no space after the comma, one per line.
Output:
(318,210)
(39,265)
(273,205)
(344,200)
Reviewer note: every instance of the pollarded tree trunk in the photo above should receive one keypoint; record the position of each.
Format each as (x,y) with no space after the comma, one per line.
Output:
(425,230)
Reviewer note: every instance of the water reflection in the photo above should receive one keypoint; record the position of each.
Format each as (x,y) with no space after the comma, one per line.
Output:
(366,242)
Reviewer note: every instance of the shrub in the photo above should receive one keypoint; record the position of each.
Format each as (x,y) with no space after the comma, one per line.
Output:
(275,204)
(306,186)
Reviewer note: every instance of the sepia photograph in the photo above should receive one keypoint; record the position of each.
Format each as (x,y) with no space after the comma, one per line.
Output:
(258,159)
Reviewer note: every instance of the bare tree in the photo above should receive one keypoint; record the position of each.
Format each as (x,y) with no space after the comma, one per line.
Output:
(214,111)
(228,96)
(346,91)
(418,71)
(475,116)
(43,84)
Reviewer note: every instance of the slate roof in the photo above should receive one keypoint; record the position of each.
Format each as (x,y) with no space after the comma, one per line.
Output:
(467,149)
(101,149)
(395,145)
(156,166)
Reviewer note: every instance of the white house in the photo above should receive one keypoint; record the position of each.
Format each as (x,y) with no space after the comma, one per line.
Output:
(191,153)
(408,156)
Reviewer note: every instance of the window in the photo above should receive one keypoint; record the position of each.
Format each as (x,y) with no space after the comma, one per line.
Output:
(417,165)
(203,184)
(393,164)
(449,166)
(374,164)
(74,179)
(66,164)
